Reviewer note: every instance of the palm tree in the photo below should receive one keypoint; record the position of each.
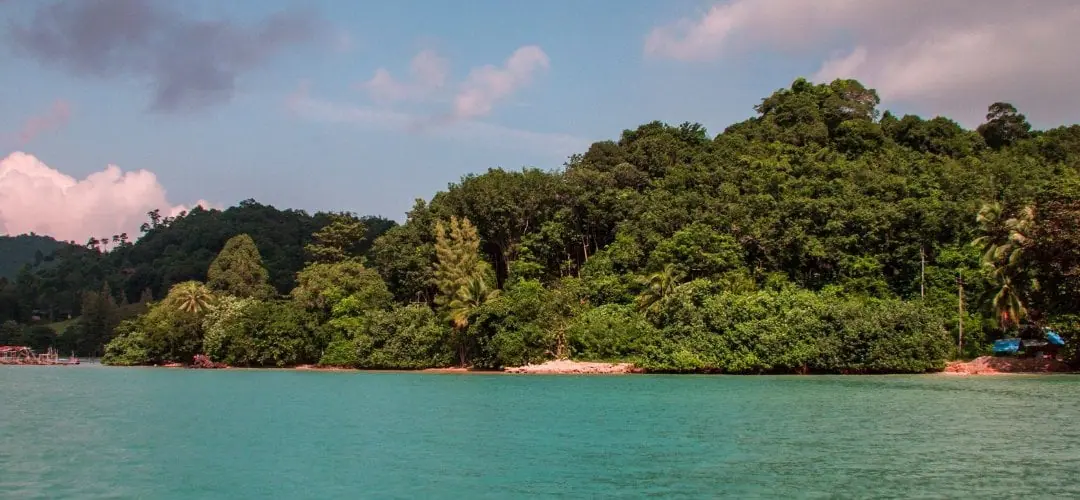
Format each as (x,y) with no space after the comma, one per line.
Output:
(660,286)
(992,236)
(1003,245)
(190,296)
(1003,242)
(1008,308)
(1020,229)
(473,294)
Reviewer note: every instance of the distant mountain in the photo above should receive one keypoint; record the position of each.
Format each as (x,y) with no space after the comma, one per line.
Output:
(17,251)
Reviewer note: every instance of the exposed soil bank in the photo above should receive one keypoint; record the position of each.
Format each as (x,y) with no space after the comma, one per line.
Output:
(989,365)
(566,367)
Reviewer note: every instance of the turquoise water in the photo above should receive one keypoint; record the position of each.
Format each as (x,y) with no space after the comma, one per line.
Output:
(99,432)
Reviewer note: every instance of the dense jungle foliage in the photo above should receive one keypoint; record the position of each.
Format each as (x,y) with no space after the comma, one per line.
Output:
(818,236)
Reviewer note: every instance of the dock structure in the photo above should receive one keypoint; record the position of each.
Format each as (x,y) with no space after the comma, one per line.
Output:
(22,355)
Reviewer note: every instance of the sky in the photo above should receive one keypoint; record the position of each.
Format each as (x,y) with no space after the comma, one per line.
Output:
(112,108)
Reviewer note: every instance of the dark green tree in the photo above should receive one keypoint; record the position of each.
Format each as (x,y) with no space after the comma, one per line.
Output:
(238,270)
(1004,126)
(337,241)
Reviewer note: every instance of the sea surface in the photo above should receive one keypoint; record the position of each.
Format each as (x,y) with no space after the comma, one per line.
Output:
(99,432)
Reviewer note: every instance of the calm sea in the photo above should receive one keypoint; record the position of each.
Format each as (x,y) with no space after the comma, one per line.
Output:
(99,432)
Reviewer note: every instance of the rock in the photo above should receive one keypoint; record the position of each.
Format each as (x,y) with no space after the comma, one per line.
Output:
(203,361)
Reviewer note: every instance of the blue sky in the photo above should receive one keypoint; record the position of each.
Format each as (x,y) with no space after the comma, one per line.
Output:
(300,131)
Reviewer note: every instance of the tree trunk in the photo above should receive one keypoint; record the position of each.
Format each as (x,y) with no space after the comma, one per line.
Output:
(461,349)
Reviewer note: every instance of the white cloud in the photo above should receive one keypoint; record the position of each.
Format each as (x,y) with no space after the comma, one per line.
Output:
(946,57)
(35,197)
(488,84)
(429,72)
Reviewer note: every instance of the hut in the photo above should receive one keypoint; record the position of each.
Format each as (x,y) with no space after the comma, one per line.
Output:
(1047,346)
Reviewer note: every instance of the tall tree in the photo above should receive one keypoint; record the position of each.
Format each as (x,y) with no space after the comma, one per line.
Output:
(337,241)
(1003,243)
(100,315)
(1055,252)
(460,275)
(457,258)
(323,286)
(504,205)
(1004,126)
(238,270)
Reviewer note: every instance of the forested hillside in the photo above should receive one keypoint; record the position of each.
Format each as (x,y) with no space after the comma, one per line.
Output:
(821,235)
(18,251)
(169,250)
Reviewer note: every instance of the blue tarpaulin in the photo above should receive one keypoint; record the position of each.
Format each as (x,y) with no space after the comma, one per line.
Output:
(1006,346)
(1054,338)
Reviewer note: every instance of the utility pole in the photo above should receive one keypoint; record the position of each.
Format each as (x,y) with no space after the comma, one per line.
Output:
(960,309)
(922,274)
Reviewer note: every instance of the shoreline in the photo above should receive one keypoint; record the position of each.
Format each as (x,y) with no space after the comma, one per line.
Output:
(994,366)
(981,366)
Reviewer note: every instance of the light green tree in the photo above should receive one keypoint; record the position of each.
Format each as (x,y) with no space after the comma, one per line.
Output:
(460,276)
(190,297)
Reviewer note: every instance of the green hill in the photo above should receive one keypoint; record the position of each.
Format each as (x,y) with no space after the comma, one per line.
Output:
(17,251)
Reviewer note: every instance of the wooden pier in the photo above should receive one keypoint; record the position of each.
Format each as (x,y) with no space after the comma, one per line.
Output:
(22,355)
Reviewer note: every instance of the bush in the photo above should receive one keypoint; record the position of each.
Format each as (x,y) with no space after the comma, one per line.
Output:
(256,333)
(791,330)
(609,332)
(128,346)
(525,324)
(340,353)
(409,337)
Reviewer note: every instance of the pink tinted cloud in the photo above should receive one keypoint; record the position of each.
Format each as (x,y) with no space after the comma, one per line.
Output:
(489,84)
(475,97)
(943,57)
(35,197)
(52,119)
(428,71)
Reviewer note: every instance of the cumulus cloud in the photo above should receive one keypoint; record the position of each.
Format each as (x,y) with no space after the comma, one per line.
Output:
(942,57)
(190,63)
(36,197)
(474,97)
(489,84)
(51,119)
(428,70)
